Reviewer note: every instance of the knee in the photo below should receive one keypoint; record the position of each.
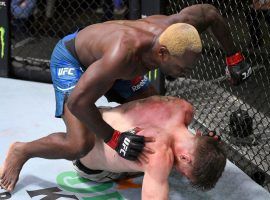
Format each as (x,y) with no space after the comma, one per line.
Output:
(78,148)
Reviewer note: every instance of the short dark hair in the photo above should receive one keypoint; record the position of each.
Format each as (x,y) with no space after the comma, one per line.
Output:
(209,162)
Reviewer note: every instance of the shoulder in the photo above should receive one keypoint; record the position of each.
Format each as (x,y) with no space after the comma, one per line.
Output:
(134,38)
(155,166)
(189,112)
(161,146)
(128,43)
(187,106)
(121,50)
(182,108)
(165,153)
(184,104)
(187,109)
(161,20)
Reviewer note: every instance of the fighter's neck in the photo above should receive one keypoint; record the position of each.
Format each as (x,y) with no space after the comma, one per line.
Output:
(150,58)
(183,140)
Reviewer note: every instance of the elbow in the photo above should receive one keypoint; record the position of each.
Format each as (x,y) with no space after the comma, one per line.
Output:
(211,14)
(78,105)
(185,17)
(73,105)
(206,14)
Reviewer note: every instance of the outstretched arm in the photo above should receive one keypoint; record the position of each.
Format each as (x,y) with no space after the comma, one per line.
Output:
(207,17)
(96,80)
(203,17)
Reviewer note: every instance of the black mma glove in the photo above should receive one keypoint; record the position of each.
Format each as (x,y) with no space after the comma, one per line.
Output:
(237,69)
(127,144)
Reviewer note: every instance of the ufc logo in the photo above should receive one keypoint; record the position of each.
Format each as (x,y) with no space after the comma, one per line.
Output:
(247,73)
(65,71)
(125,145)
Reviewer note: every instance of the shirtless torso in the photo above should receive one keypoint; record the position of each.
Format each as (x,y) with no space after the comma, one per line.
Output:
(137,36)
(119,50)
(164,118)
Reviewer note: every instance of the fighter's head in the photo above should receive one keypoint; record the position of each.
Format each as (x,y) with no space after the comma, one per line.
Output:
(179,48)
(203,162)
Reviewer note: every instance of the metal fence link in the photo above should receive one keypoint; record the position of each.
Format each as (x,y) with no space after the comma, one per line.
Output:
(240,114)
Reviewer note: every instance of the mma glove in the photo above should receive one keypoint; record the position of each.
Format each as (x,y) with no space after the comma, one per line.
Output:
(127,144)
(237,69)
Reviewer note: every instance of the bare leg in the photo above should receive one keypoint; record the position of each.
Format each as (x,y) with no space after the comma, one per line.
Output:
(74,144)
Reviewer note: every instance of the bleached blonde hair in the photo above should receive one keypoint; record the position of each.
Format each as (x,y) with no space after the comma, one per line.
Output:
(180,37)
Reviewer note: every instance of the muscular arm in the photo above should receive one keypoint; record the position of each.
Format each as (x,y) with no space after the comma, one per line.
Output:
(156,175)
(207,17)
(97,79)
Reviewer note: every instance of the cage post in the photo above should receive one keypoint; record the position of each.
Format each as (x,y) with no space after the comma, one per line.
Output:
(152,7)
(134,9)
(4,38)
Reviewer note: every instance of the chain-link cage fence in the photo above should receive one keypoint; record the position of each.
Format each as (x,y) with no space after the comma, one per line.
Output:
(37,25)
(240,114)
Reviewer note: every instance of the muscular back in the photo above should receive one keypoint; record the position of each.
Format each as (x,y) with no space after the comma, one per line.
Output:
(161,112)
(95,40)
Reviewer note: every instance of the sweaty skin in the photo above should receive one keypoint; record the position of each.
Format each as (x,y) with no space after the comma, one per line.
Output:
(110,51)
(124,49)
(163,118)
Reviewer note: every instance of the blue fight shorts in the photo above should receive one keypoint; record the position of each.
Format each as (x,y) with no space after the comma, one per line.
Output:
(66,72)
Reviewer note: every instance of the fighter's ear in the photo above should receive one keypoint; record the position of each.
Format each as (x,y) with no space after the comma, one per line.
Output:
(163,52)
(184,158)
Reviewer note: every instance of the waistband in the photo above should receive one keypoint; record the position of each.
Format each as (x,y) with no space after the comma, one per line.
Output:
(70,46)
(85,169)
(69,42)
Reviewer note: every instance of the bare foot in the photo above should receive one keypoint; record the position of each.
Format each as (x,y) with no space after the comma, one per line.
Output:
(1,172)
(9,172)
